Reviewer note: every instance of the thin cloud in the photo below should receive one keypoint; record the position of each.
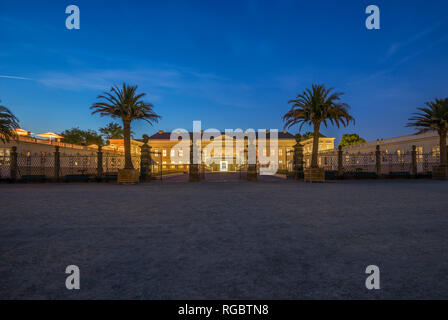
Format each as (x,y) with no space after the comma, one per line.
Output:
(14,77)
(399,45)
(402,61)
(158,82)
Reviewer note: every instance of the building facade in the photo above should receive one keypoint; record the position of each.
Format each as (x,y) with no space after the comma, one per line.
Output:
(426,143)
(216,157)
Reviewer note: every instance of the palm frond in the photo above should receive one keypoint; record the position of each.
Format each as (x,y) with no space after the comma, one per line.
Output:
(8,124)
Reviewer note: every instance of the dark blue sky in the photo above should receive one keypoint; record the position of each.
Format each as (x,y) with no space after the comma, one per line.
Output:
(231,64)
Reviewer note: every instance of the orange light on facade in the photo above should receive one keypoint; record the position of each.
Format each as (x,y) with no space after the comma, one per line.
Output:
(21,132)
(50,135)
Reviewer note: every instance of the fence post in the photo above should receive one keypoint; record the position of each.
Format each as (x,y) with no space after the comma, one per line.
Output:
(252,174)
(145,160)
(193,168)
(414,161)
(13,165)
(298,159)
(57,164)
(378,161)
(99,163)
(340,166)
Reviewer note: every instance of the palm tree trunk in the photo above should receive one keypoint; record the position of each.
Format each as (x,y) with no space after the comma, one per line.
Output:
(315,153)
(443,154)
(127,144)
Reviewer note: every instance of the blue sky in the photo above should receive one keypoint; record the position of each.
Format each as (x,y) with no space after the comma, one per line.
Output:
(231,64)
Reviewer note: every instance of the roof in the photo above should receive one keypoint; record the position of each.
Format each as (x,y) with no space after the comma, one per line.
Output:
(161,135)
(402,139)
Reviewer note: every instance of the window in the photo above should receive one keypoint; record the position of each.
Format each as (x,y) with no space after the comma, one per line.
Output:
(164,162)
(172,153)
(164,152)
(181,153)
(280,152)
(400,155)
(419,151)
(435,151)
(4,156)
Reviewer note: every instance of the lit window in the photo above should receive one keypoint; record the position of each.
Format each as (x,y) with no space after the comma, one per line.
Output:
(164,152)
(172,153)
(400,155)
(435,151)
(280,152)
(419,151)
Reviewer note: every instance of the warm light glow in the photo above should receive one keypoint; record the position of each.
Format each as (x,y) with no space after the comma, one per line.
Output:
(50,135)
(21,132)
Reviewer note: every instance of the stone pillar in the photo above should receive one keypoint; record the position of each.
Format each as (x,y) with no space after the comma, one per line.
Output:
(414,161)
(193,168)
(145,160)
(13,164)
(99,164)
(378,161)
(57,164)
(340,164)
(298,159)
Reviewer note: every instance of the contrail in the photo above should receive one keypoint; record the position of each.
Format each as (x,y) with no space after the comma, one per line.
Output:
(14,77)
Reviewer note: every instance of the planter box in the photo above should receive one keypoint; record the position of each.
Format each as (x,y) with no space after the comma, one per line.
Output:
(193,174)
(128,176)
(314,175)
(252,174)
(440,172)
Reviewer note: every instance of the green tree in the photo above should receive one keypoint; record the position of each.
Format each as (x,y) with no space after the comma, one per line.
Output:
(127,105)
(112,131)
(317,106)
(8,123)
(82,137)
(309,135)
(433,117)
(351,140)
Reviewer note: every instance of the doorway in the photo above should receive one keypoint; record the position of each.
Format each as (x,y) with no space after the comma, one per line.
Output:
(223,167)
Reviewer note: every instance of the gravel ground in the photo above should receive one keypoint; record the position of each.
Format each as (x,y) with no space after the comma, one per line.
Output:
(274,239)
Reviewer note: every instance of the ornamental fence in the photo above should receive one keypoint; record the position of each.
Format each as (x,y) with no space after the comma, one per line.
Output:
(57,166)
(340,164)
(99,166)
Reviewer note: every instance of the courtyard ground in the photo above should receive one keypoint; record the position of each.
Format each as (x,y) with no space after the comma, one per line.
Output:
(273,239)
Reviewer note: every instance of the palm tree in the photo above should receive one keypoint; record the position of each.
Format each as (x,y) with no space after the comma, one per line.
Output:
(433,118)
(317,106)
(126,104)
(8,123)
